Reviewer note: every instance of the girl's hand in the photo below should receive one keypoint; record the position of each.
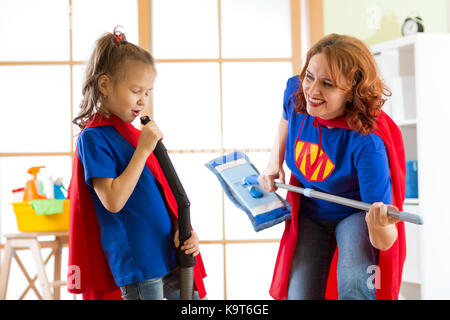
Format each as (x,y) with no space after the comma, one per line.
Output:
(377,215)
(150,135)
(266,180)
(191,245)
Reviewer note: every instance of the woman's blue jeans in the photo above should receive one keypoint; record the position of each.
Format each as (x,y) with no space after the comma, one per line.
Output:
(316,245)
(167,287)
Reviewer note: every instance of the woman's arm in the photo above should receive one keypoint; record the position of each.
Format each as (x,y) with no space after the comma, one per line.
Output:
(274,169)
(382,229)
(375,187)
(115,192)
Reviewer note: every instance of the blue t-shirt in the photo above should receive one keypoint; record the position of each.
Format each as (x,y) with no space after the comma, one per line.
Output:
(137,241)
(350,164)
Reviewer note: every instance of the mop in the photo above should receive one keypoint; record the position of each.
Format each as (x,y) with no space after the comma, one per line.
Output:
(238,177)
(187,262)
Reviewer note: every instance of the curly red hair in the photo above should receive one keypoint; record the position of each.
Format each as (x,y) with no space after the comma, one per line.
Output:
(353,69)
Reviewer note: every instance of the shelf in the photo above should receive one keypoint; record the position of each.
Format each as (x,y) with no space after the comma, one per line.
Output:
(406,65)
(404,123)
(411,201)
(394,44)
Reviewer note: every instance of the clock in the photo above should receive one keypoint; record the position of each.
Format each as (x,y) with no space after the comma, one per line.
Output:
(412,25)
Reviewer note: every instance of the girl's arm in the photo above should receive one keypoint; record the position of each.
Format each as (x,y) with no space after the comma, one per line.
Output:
(382,229)
(115,192)
(274,169)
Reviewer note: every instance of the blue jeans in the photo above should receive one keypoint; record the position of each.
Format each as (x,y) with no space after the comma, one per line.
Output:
(314,251)
(167,287)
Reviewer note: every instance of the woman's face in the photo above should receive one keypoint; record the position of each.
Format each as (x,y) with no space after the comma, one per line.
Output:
(323,99)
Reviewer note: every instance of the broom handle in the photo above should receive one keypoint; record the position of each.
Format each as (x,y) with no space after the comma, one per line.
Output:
(310,193)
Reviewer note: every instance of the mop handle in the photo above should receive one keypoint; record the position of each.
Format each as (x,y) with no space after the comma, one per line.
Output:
(310,193)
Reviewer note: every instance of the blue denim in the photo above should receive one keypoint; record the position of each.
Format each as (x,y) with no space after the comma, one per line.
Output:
(167,287)
(315,249)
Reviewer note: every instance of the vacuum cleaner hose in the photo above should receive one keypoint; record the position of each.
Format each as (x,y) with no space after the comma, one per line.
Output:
(187,283)
(187,262)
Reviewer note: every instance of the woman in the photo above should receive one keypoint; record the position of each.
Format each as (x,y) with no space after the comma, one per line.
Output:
(335,138)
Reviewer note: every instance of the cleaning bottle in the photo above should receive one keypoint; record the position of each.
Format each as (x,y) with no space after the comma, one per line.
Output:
(58,187)
(31,191)
(47,181)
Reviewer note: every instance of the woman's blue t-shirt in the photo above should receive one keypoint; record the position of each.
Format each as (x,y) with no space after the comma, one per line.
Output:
(351,165)
(138,240)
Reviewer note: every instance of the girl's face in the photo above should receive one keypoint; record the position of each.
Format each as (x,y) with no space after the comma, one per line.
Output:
(129,96)
(323,99)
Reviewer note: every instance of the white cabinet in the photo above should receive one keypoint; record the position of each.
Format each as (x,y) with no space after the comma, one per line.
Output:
(417,69)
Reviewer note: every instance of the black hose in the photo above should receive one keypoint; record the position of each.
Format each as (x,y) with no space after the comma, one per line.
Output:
(187,262)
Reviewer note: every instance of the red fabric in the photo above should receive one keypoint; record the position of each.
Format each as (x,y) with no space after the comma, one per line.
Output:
(390,261)
(85,251)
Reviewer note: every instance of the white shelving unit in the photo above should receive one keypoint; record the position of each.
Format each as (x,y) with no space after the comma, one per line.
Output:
(417,70)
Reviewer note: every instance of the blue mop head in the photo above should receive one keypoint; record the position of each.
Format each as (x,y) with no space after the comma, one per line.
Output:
(238,177)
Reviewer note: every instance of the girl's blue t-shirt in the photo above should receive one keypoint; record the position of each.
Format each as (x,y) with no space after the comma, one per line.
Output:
(350,164)
(138,240)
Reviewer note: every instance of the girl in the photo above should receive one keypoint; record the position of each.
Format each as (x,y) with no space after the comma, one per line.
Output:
(335,138)
(123,214)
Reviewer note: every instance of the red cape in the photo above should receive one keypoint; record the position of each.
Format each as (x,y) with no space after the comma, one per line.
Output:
(390,261)
(89,271)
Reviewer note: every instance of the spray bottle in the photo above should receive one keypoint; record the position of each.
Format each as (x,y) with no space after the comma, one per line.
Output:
(45,178)
(31,190)
(58,189)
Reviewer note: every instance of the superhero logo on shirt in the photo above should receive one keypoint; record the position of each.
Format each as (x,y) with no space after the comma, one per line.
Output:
(313,169)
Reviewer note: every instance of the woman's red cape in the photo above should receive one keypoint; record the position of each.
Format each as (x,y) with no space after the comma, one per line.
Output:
(390,261)
(88,271)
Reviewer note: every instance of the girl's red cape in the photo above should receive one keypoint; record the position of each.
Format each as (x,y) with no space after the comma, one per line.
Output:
(88,271)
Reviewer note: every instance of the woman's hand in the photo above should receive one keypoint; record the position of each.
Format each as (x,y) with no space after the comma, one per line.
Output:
(378,217)
(266,180)
(382,229)
(150,135)
(191,245)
